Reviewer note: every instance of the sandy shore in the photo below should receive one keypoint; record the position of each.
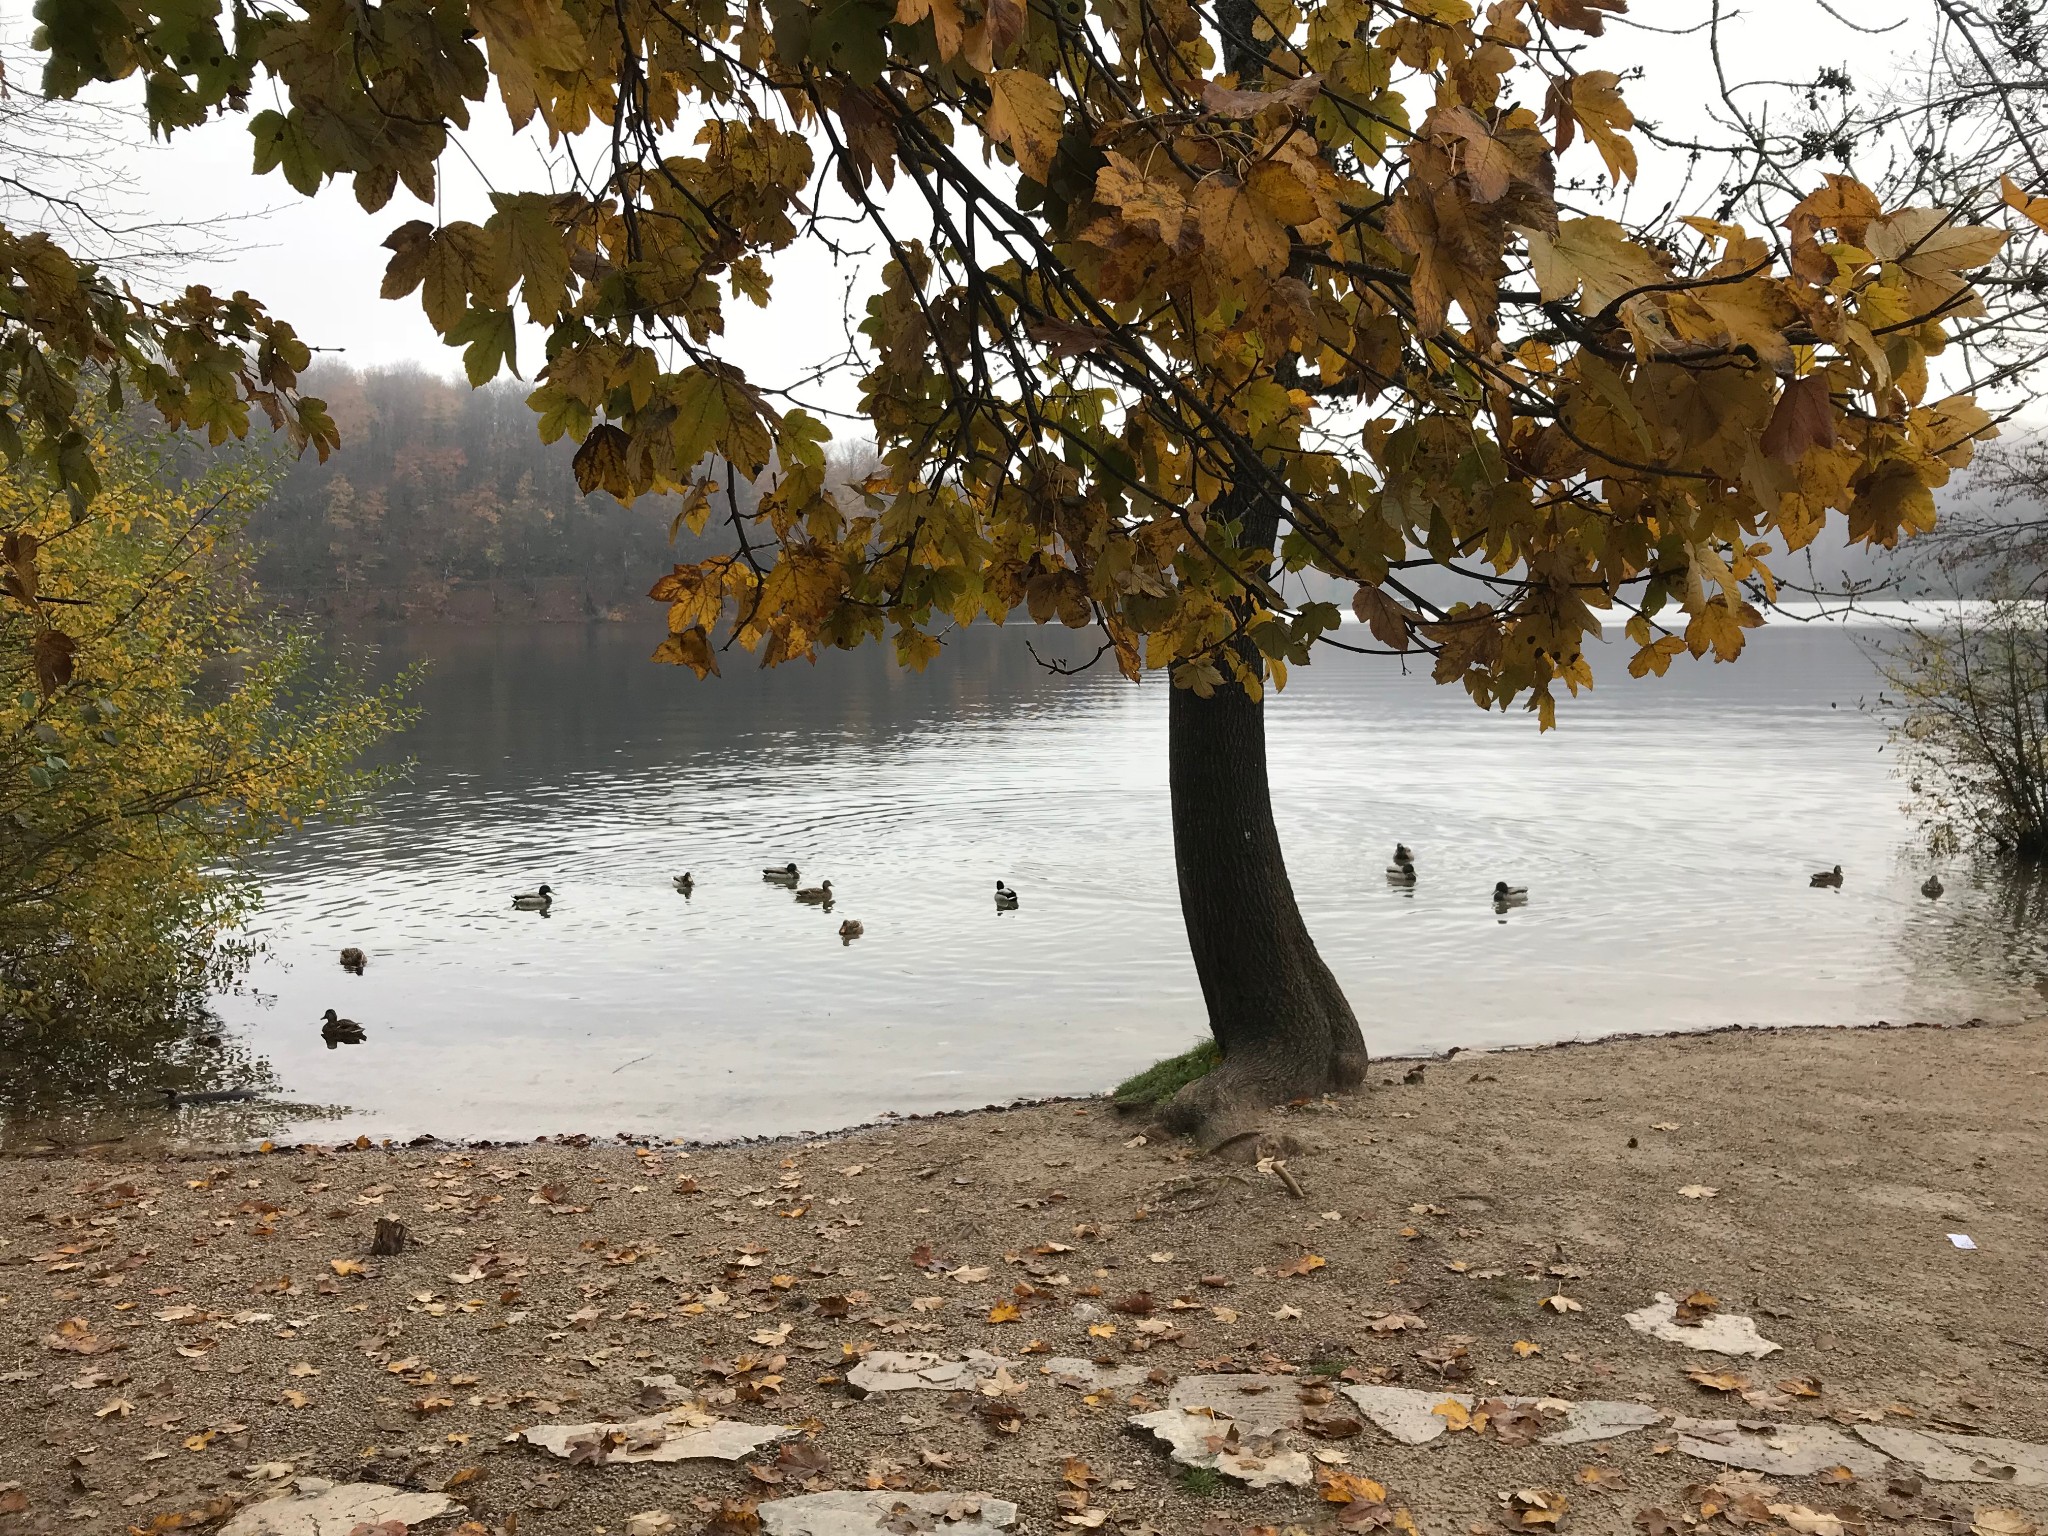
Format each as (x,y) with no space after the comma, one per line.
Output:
(185,1336)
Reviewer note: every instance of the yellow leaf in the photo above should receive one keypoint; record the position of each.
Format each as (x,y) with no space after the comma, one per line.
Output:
(1597,104)
(1027,116)
(1283,195)
(1593,255)
(1004,1312)
(1159,207)
(1239,236)
(2034,208)
(1525,1348)
(345,1266)
(948,24)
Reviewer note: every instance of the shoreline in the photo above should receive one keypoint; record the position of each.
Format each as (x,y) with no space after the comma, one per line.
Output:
(189,1339)
(584,1139)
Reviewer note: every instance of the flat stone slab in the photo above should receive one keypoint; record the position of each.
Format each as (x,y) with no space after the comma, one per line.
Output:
(1410,1416)
(321,1508)
(1783,1450)
(1233,1424)
(1962,1458)
(863,1514)
(895,1370)
(1723,1333)
(655,1439)
(1072,1371)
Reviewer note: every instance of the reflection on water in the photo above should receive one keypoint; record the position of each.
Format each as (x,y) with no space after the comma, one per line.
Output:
(1665,832)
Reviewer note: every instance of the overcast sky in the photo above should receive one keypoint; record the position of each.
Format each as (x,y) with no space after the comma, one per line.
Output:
(318,262)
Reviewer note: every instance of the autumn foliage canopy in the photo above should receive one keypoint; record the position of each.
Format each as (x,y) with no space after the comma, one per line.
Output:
(1175,299)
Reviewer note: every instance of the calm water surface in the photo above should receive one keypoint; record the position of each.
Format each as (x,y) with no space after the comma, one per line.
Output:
(1666,832)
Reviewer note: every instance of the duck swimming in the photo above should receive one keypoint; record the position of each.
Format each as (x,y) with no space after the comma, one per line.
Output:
(1831,877)
(1006,899)
(338,1031)
(686,882)
(816,895)
(1505,895)
(354,960)
(783,876)
(1932,888)
(534,901)
(850,930)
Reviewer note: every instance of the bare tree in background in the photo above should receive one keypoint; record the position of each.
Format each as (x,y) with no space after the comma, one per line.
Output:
(66,171)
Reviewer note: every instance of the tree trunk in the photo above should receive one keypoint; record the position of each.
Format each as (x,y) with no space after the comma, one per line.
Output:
(1284,1025)
(1278,1014)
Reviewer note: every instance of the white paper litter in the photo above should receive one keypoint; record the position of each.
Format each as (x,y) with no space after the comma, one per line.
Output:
(1962,1458)
(863,1514)
(1234,1424)
(1410,1417)
(657,1439)
(320,1508)
(1722,1333)
(1782,1450)
(1962,1240)
(891,1370)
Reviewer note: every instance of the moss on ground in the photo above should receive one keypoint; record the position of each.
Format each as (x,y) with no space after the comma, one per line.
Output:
(1163,1079)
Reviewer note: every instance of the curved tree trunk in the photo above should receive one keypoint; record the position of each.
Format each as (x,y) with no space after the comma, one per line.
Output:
(1282,1021)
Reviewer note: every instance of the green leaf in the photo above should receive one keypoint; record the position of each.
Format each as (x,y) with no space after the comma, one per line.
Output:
(489,338)
(851,37)
(529,248)
(701,415)
(282,144)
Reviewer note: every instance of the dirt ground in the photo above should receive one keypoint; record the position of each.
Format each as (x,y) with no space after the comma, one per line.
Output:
(180,1336)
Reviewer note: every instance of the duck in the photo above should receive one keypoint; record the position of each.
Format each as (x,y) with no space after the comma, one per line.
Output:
(1932,887)
(816,895)
(783,876)
(1006,899)
(850,930)
(339,1031)
(686,882)
(1505,895)
(534,901)
(1831,877)
(354,960)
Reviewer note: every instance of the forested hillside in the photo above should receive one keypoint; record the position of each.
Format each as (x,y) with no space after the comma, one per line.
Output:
(442,503)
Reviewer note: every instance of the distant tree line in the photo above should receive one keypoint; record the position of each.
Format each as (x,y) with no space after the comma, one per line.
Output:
(441,503)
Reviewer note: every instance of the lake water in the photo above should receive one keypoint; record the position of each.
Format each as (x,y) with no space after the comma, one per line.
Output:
(1666,831)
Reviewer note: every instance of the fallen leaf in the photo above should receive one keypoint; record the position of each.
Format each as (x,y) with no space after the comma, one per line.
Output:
(1719,1381)
(1525,1348)
(1561,1303)
(1699,1191)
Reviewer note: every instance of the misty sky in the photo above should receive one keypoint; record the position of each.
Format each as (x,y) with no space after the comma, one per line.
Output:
(318,262)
